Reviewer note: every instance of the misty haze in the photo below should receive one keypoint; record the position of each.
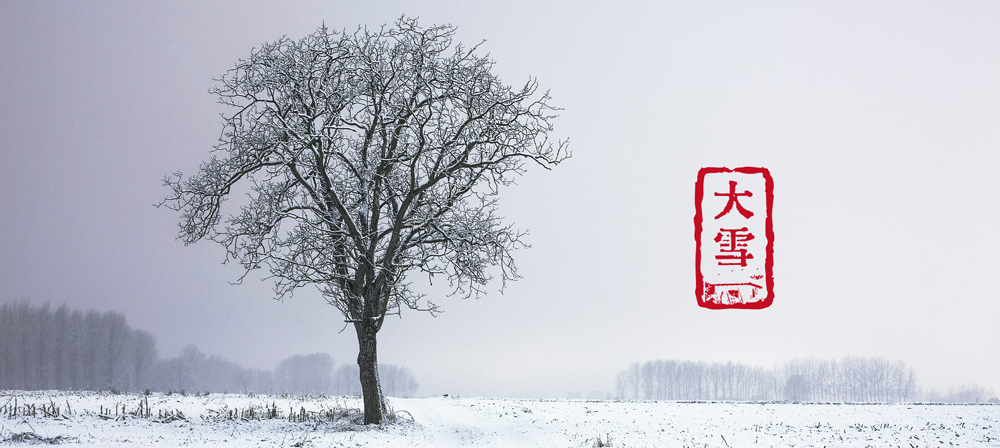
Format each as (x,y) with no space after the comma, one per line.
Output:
(440,224)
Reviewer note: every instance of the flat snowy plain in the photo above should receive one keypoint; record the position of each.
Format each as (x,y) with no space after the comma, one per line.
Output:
(96,419)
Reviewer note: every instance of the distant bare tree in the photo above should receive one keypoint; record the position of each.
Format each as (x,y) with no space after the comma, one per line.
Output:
(246,378)
(397,381)
(407,384)
(388,375)
(74,345)
(621,386)
(628,383)
(144,355)
(797,388)
(42,329)
(114,329)
(93,352)
(189,367)
(346,380)
(306,374)
(61,329)
(9,340)
(367,156)
(647,381)
(904,381)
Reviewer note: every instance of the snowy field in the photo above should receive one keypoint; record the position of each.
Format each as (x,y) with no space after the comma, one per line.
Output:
(106,420)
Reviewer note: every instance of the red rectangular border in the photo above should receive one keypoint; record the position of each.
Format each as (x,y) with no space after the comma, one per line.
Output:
(769,259)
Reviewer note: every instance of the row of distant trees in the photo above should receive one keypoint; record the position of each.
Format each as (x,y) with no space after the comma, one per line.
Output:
(676,380)
(852,379)
(314,374)
(44,348)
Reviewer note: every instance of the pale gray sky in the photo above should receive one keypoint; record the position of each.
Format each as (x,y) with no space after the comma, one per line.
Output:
(879,122)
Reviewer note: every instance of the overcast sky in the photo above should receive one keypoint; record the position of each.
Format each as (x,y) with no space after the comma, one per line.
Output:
(879,122)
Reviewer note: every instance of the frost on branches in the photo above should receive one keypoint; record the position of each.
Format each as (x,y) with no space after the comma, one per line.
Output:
(367,156)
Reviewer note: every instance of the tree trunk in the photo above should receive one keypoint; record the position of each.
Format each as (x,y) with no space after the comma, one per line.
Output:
(371,389)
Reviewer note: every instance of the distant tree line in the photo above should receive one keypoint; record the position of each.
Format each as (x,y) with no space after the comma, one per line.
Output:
(852,379)
(686,380)
(312,374)
(43,348)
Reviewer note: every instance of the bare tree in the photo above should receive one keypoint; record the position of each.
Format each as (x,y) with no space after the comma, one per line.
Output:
(629,382)
(74,348)
(305,374)
(397,381)
(246,378)
(10,362)
(114,329)
(367,156)
(144,356)
(407,383)
(621,386)
(61,322)
(797,388)
(388,374)
(346,380)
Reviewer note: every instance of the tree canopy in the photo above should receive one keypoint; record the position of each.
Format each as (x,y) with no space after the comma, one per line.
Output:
(366,156)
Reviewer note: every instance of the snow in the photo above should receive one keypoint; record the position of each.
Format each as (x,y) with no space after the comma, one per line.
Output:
(491,422)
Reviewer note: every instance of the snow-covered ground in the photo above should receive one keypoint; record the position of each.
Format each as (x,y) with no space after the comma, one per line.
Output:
(93,419)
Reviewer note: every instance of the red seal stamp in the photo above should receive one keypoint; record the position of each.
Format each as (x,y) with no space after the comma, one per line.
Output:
(732,229)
